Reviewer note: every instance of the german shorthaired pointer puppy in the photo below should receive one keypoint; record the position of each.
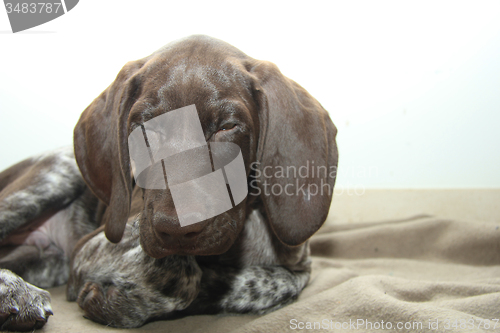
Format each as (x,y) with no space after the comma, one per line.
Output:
(77,216)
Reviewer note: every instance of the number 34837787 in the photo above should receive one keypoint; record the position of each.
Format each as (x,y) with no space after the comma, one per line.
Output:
(33,7)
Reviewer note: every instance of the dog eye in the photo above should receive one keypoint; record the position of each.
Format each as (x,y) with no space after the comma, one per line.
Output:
(227,127)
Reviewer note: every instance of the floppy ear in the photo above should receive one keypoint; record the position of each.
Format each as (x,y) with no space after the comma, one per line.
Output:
(101,149)
(297,154)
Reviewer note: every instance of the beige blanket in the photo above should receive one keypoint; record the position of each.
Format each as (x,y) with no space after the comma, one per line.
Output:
(418,275)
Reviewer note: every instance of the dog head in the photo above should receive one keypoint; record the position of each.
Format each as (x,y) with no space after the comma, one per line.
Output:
(277,125)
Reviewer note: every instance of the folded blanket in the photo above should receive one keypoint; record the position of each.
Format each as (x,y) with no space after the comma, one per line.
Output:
(417,275)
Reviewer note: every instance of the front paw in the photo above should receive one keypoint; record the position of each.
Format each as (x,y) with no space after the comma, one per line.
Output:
(132,295)
(109,306)
(23,307)
(120,285)
(128,305)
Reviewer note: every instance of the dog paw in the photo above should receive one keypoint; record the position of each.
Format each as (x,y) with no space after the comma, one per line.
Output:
(109,306)
(128,305)
(23,307)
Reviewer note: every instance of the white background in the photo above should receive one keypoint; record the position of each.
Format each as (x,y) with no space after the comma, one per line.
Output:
(413,87)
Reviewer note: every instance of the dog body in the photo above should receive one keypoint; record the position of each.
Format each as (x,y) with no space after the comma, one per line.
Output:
(252,258)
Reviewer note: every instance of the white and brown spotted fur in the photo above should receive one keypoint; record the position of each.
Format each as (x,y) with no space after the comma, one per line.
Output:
(120,248)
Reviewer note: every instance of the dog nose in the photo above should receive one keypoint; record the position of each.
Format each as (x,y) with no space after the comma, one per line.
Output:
(168,228)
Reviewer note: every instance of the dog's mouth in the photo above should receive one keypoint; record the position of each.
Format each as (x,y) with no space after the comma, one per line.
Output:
(204,239)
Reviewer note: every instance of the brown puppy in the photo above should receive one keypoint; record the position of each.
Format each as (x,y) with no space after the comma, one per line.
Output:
(251,258)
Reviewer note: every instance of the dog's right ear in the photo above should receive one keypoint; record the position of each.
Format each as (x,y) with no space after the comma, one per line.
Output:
(101,149)
(296,134)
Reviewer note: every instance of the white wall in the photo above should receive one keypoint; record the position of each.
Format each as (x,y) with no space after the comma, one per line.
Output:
(414,87)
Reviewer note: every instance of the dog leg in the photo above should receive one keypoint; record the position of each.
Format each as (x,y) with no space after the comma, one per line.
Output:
(38,187)
(255,289)
(120,285)
(40,254)
(45,269)
(261,290)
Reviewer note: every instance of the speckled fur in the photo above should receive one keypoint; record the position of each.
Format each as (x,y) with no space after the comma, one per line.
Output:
(119,285)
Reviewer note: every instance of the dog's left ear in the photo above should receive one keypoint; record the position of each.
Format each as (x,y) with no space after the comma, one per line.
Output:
(297,155)
(101,149)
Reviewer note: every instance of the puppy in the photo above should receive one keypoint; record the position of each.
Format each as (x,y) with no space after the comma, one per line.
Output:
(143,264)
